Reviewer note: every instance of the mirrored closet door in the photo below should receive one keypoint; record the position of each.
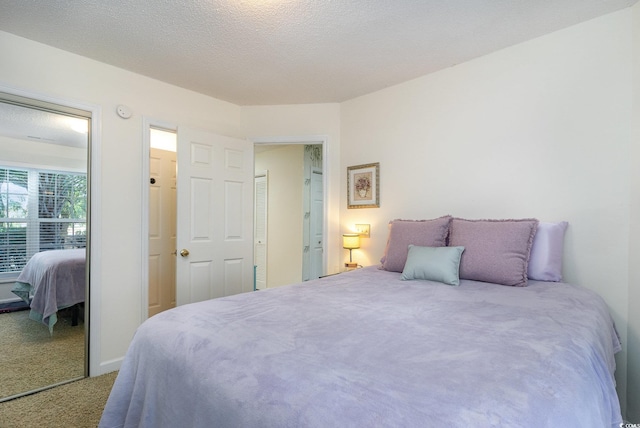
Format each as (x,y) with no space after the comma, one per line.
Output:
(44,231)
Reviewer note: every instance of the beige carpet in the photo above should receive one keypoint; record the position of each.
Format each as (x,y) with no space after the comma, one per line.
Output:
(31,358)
(74,405)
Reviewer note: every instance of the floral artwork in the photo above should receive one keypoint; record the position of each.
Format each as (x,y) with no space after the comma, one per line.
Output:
(363,189)
(363,186)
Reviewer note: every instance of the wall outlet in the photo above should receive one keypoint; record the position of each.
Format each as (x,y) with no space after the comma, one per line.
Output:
(364,230)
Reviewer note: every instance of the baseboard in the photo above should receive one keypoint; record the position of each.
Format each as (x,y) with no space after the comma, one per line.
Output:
(109,366)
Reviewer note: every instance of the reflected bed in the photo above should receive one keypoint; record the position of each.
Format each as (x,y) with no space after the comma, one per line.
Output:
(51,281)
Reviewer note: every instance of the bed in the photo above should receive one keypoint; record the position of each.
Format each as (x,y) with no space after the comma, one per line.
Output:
(375,348)
(51,281)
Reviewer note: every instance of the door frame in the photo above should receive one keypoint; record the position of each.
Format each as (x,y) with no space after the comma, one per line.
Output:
(93,322)
(147,123)
(305,140)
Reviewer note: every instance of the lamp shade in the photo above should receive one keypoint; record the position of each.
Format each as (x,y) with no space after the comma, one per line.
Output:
(350,241)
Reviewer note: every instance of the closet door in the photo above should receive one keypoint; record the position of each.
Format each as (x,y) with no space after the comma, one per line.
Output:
(316,224)
(260,229)
(44,202)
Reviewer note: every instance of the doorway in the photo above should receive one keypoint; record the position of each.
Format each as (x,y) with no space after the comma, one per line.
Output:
(293,242)
(162,220)
(213,252)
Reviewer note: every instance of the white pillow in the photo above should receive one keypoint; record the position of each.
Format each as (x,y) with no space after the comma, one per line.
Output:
(545,261)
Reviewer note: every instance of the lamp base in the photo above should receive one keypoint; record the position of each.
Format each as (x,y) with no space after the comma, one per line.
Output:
(351,265)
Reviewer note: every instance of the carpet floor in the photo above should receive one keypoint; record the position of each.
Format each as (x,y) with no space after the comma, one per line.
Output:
(32,358)
(77,404)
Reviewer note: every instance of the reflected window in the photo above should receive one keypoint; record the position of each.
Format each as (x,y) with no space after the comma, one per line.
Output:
(40,210)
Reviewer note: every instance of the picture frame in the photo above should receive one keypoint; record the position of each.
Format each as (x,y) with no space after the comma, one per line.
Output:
(363,186)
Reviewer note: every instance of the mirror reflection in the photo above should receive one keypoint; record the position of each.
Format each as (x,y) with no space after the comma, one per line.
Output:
(43,239)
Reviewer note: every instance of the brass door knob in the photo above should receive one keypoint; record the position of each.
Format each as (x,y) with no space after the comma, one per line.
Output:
(184,252)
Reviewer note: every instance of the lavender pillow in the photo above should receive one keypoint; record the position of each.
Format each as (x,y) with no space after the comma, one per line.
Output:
(495,250)
(545,262)
(423,233)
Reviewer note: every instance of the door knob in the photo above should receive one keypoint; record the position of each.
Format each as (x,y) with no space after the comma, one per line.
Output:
(184,252)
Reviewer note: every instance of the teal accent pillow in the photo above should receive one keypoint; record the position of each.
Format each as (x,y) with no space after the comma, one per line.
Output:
(441,264)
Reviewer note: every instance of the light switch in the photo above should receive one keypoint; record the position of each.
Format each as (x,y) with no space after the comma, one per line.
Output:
(363,230)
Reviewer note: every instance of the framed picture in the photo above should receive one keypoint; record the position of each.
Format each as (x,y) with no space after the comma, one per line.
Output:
(363,186)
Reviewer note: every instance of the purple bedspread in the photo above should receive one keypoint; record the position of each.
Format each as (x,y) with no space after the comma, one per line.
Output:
(55,279)
(365,349)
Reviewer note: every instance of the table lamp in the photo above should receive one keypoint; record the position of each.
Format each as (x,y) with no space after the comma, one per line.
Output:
(350,241)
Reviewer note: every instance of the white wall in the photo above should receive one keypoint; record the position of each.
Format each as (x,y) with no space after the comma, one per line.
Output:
(285,212)
(541,129)
(285,123)
(40,69)
(633,333)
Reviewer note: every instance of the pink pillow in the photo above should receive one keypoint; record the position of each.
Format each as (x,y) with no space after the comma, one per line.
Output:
(495,250)
(545,262)
(422,233)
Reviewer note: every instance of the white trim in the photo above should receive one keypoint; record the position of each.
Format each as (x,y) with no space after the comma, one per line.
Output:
(309,139)
(111,365)
(147,123)
(94,174)
(95,237)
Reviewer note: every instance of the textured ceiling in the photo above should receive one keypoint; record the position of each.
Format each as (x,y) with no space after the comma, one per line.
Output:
(257,52)
(24,123)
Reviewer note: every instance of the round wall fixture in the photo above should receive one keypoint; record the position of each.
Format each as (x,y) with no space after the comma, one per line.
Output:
(123,111)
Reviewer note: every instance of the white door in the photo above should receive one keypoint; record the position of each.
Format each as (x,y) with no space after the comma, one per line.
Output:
(162,230)
(316,223)
(260,229)
(215,216)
